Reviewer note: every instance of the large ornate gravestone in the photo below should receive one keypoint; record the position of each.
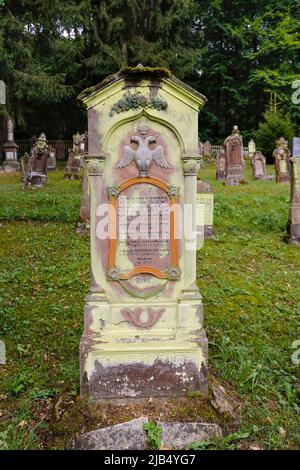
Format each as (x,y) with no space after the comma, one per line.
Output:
(282,161)
(294,217)
(10,148)
(37,176)
(205,198)
(143,330)
(259,170)
(235,163)
(74,161)
(221,165)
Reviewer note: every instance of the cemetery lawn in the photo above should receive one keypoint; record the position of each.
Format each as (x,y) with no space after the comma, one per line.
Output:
(250,282)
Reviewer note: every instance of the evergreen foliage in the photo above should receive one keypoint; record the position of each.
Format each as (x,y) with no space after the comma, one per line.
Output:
(275,125)
(234,52)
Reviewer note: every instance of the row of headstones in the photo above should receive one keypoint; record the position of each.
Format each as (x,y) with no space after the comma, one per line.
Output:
(42,158)
(207,150)
(231,163)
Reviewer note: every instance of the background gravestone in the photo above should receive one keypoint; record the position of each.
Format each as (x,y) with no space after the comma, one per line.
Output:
(251,148)
(207,149)
(235,163)
(51,165)
(143,330)
(37,176)
(221,165)
(259,168)
(10,150)
(294,216)
(74,161)
(282,161)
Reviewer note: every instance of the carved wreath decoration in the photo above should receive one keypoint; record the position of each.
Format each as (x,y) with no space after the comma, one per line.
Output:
(137,100)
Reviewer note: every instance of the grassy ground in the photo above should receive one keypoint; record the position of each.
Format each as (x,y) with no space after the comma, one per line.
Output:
(249,280)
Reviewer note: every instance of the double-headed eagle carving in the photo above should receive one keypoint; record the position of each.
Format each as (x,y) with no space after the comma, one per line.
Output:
(143,155)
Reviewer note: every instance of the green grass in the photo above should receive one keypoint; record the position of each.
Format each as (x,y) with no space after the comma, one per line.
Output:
(249,280)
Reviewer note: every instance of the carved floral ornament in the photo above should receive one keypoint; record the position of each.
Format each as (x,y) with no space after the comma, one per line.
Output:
(137,100)
(191,167)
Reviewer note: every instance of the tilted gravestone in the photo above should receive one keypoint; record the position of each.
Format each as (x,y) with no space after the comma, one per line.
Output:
(294,216)
(259,169)
(74,161)
(143,330)
(282,161)
(235,163)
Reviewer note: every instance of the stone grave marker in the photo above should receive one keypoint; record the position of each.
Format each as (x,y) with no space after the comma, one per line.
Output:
(143,330)
(251,148)
(60,150)
(294,216)
(282,161)
(207,149)
(235,163)
(52,159)
(25,166)
(74,161)
(221,165)
(259,168)
(37,176)
(10,148)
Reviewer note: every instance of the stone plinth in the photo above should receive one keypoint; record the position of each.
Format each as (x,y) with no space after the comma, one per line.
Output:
(143,330)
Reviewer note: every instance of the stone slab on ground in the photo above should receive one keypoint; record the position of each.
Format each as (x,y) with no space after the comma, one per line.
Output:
(181,435)
(124,436)
(131,436)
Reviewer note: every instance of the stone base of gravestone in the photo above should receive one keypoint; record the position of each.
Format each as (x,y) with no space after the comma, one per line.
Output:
(132,436)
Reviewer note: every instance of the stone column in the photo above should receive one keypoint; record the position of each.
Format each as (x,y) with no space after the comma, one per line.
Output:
(95,166)
(190,168)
